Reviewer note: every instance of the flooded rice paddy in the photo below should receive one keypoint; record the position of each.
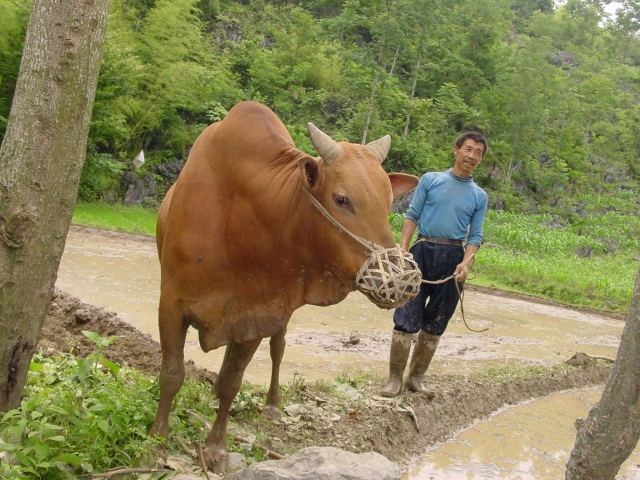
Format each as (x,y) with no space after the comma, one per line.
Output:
(121,273)
(528,442)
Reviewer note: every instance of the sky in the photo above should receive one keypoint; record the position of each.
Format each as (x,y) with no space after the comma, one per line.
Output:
(612,7)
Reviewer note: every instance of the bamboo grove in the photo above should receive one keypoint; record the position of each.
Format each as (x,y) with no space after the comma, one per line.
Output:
(556,88)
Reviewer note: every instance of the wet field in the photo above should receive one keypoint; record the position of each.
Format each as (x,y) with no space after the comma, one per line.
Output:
(121,273)
(528,442)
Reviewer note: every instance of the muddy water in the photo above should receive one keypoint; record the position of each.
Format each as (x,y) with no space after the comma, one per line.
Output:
(123,275)
(529,442)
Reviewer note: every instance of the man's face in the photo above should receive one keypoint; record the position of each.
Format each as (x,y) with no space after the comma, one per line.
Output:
(468,156)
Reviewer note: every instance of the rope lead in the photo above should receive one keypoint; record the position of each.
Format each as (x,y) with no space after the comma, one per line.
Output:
(391,284)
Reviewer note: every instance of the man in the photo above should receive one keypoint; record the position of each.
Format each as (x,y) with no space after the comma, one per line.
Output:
(448,208)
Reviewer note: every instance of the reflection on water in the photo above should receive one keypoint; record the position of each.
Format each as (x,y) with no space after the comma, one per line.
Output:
(530,442)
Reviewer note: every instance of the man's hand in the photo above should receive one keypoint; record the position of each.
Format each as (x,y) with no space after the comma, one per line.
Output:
(462,271)
(463,267)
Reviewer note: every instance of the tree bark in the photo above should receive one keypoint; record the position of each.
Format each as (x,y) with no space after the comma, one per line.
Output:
(40,163)
(611,431)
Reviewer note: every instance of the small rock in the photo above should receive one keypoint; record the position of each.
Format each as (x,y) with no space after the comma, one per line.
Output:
(321,463)
(237,460)
(182,476)
(581,360)
(353,340)
(83,315)
(180,464)
(584,252)
(295,410)
(555,223)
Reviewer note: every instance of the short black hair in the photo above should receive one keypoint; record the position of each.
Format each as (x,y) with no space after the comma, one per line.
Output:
(476,137)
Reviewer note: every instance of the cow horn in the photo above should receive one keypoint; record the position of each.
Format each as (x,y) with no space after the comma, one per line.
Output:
(380,147)
(327,148)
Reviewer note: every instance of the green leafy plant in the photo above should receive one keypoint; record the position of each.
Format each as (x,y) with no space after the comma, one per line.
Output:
(78,416)
(89,365)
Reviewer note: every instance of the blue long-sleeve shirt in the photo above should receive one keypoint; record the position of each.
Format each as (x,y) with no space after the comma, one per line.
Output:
(444,205)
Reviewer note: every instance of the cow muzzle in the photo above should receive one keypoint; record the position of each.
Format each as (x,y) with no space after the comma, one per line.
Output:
(390,277)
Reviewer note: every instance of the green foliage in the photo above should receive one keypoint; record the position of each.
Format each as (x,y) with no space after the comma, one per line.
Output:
(86,416)
(556,89)
(513,373)
(14,15)
(67,403)
(134,219)
(522,253)
(526,253)
(100,176)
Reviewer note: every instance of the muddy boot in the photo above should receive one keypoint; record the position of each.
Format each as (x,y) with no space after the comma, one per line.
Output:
(400,346)
(422,354)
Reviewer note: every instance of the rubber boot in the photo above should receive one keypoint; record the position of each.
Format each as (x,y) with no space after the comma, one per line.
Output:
(422,354)
(400,347)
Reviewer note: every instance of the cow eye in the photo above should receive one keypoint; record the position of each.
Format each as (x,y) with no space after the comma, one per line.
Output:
(341,201)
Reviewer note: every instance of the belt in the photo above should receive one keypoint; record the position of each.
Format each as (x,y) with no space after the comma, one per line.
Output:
(441,241)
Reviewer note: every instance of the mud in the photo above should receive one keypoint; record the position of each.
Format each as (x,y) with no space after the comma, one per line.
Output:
(120,271)
(527,442)
(67,317)
(356,422)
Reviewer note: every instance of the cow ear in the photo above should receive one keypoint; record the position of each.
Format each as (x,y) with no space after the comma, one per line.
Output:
(310,172)
(401,183)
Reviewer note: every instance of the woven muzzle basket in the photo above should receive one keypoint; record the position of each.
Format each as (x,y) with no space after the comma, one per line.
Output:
(389,278)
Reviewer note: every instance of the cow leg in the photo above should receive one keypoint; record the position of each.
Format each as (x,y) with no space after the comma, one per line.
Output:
(274,398)
(228,383)
(173,332)
(216,384)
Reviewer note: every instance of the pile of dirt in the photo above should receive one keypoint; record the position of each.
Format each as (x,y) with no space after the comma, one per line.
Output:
(67,317)
(356,420)
(403,428)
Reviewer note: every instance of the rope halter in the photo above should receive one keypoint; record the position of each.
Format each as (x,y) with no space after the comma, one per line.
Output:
(390,277)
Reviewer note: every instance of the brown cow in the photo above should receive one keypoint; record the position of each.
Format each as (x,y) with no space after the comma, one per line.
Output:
(241,247)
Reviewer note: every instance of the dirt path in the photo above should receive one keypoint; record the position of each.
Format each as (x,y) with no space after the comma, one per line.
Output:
(355,420)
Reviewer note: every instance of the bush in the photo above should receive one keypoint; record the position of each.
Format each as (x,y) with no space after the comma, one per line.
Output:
(100,175)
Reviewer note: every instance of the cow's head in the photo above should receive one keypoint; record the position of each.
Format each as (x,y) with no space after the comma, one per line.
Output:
(349,181)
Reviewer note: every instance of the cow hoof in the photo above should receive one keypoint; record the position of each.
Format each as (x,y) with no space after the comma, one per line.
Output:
(272,413)
(216,459)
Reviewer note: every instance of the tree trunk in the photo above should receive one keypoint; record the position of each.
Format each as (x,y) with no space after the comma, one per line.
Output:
(611,431)
(513,155)
(413,94)
(374,85)
(40,163)
(393,64)
(370,109)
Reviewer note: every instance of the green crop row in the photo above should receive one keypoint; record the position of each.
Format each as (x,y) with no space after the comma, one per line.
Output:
(539,255)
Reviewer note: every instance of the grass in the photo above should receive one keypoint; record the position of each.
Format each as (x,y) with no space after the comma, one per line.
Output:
(521,253)
(135,219)
(525,254)
(537,254)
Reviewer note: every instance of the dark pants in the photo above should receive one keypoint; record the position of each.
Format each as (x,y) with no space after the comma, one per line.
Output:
(435,262)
